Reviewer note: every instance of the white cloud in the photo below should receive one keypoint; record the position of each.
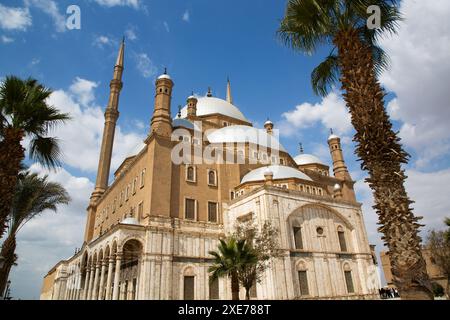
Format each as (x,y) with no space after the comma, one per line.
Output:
(130,33)
(145,65)
(12,18)
(6,39)
(50,8)
(50,237)
(102,41)
(81,137)
(331,112)
(166,26)
(123,3)
(186,16)
(419,76)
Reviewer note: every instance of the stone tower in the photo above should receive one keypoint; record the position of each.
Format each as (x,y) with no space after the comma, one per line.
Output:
(104,163)
(162,119)
(192,106)
(339,168)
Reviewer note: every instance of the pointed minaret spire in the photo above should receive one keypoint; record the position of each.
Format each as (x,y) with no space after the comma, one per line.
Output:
(301,148)
(104,163)
(120,56)
(209,94)
(229,96)
(179,112)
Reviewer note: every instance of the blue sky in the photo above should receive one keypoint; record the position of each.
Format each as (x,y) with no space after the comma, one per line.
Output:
(202,43)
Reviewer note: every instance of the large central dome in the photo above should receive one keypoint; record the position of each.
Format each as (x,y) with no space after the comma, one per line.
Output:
(212,105)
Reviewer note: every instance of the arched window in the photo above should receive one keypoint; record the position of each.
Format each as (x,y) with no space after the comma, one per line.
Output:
(341,236)
(303,279)
(212,178)
(348,279)
(189,284)
(190,174)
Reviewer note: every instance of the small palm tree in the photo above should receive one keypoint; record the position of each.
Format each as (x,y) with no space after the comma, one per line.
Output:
(234,257)
(24,112)
(356,60)
(33,195)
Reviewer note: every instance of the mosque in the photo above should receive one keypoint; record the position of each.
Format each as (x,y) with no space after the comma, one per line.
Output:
(148,232)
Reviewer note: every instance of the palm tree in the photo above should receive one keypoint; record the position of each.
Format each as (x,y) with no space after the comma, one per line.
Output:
(24,112)
(33,195)
(356,60)
(234,257)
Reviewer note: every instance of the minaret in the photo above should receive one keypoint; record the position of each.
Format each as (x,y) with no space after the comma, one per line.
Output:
(111,116)
(192,106)
(104,163)
(162,119)
(229,96)
(339,168)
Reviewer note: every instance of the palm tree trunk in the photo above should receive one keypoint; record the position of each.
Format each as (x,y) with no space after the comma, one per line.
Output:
(234,286)
(382,155)
(8,252)
(247,293)
(11,155)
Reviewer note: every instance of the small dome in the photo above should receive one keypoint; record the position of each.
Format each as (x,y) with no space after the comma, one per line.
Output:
(304,159)
(268,122)
(337,187)
(333,136)
(164,76)
(268,172)
(244,134)
(212,105)
(279,172)
(130,221)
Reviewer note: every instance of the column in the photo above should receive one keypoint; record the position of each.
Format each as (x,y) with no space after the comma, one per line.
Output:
(91,283)
(117,276)
(86,283)
(102,281)
(109,279)
(95,287)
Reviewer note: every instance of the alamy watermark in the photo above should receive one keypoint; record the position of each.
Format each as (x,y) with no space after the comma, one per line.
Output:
(73,21)
(374,20)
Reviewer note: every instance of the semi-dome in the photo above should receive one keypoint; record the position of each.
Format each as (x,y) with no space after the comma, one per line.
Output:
(178,122)
(244,134)
(279,172)
(304,159)
(212,105)
(130,221)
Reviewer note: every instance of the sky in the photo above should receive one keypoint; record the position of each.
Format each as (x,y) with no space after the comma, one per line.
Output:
(201,43)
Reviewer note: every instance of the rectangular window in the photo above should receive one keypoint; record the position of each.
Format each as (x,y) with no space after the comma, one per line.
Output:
(298,238)
(134,185)
(142,178)
(212,211)
(190,174)
(121,198)
(349,282)
(127,193)
(303,279)
(189,210)
(214,290)
(342,243)
(189,283)
(212,178)
(141,211)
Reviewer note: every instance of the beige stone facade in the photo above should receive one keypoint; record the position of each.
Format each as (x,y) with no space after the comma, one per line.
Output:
(148,233)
